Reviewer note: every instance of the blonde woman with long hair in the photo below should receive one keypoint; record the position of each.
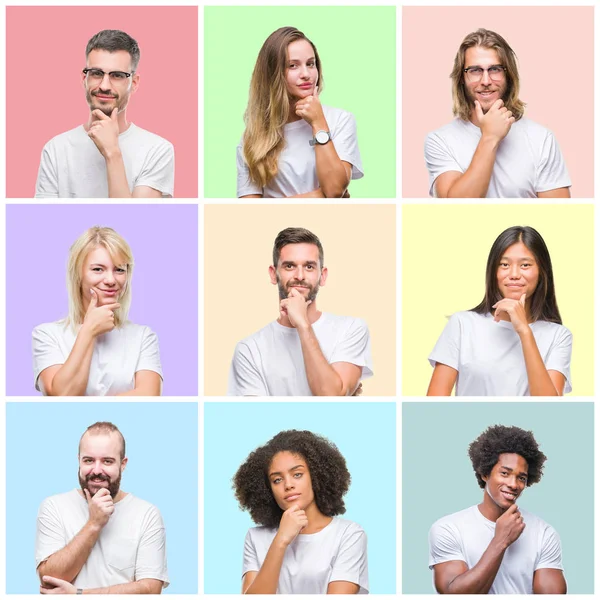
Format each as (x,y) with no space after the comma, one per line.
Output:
(293,145)
(96,350)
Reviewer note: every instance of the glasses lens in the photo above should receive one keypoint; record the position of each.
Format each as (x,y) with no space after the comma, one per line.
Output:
(118,75)
(496,73)
(95,73)
(474,74)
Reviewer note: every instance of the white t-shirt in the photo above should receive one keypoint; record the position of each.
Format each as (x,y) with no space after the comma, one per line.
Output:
(118,355)
(130,547)
(297,163)
(528,159)
(72,166)
(465,535)
(489,356)
(270,362)
(336,553)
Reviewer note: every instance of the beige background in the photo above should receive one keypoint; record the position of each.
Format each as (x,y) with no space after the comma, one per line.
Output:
(359,242)
(444,254)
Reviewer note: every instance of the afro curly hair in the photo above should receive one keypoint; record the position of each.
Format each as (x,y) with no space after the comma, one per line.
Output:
(484,452)
(328,473)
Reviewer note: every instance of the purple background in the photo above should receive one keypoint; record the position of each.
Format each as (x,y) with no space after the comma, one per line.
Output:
(164,242)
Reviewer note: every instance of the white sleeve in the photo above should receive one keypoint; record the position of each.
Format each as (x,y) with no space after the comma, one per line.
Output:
(245,186)
(250,556)
(46,185)
(158,171)
(550,555)
(438,159)
(447,348)
(351,563)
(50,533)
(149,359)
(345,142)
(245,378)
(355,348)
(443,545)
(46,352)
(559,357)
(552,170)
(151,558)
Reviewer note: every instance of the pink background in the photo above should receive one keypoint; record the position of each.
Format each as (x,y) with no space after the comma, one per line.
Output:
(555,49)
(45,53)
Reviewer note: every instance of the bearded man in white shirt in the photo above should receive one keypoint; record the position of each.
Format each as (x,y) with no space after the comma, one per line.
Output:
(100,539)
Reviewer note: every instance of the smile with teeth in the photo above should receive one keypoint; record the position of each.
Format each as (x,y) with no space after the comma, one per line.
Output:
(509,495)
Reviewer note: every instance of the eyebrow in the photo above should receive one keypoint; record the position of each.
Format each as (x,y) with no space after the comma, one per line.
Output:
(290,470)
(299,60)
(521,258)
(306,262)
(102,457)
(511,470)
(480,67)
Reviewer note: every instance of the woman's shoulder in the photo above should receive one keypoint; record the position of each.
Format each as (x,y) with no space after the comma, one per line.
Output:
(336,115)
(348,527)
(53,328)
(556,329)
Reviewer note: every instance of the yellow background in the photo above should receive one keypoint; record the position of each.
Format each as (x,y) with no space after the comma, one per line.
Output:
(359,242)
(444,254)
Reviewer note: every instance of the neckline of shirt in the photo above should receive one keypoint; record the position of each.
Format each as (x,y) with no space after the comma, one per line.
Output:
(292,330)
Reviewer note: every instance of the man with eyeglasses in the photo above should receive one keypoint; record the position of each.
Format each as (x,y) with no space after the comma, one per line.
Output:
(491,150)
(108,156)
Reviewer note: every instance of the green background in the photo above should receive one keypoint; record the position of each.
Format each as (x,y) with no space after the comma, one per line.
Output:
(438,479)
(357,47)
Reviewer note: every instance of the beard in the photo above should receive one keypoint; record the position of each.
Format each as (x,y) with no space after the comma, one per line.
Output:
(113,485)
(284,290)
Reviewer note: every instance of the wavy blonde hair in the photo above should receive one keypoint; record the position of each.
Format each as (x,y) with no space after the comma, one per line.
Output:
(120,253)
(487,39)
(269,105)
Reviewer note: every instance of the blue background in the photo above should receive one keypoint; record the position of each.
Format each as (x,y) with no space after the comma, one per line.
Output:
(438,477)
(365,434)
(41,458)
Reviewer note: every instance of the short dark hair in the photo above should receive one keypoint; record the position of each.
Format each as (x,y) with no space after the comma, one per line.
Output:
(484,452)
(295,235)
(105,427)
(543,300)
(327,467)
(113,40)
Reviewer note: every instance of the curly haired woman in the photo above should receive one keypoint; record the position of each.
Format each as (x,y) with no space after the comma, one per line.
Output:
(293,488)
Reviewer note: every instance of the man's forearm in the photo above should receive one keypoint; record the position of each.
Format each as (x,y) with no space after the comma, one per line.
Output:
(143,586)
(475,181)
(323,379)
(68,561)
(117,178)
(314,194)
(480,578)
(540,383)
(72,378)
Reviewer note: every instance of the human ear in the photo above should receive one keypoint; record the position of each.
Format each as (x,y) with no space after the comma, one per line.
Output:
(273,275)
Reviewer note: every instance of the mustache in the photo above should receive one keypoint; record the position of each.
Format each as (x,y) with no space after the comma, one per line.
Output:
(102,93)
(97,476)
(294,283)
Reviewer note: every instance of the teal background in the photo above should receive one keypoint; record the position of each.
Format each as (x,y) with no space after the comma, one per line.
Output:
(161,438)
(357,47)
(438,479)
(365,434)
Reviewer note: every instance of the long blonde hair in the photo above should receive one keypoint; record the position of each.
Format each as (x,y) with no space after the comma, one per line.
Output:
(269,105)
(487,39)
(120,253)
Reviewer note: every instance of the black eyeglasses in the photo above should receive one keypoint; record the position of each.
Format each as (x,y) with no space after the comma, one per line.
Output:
(496,73)
(98,75)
